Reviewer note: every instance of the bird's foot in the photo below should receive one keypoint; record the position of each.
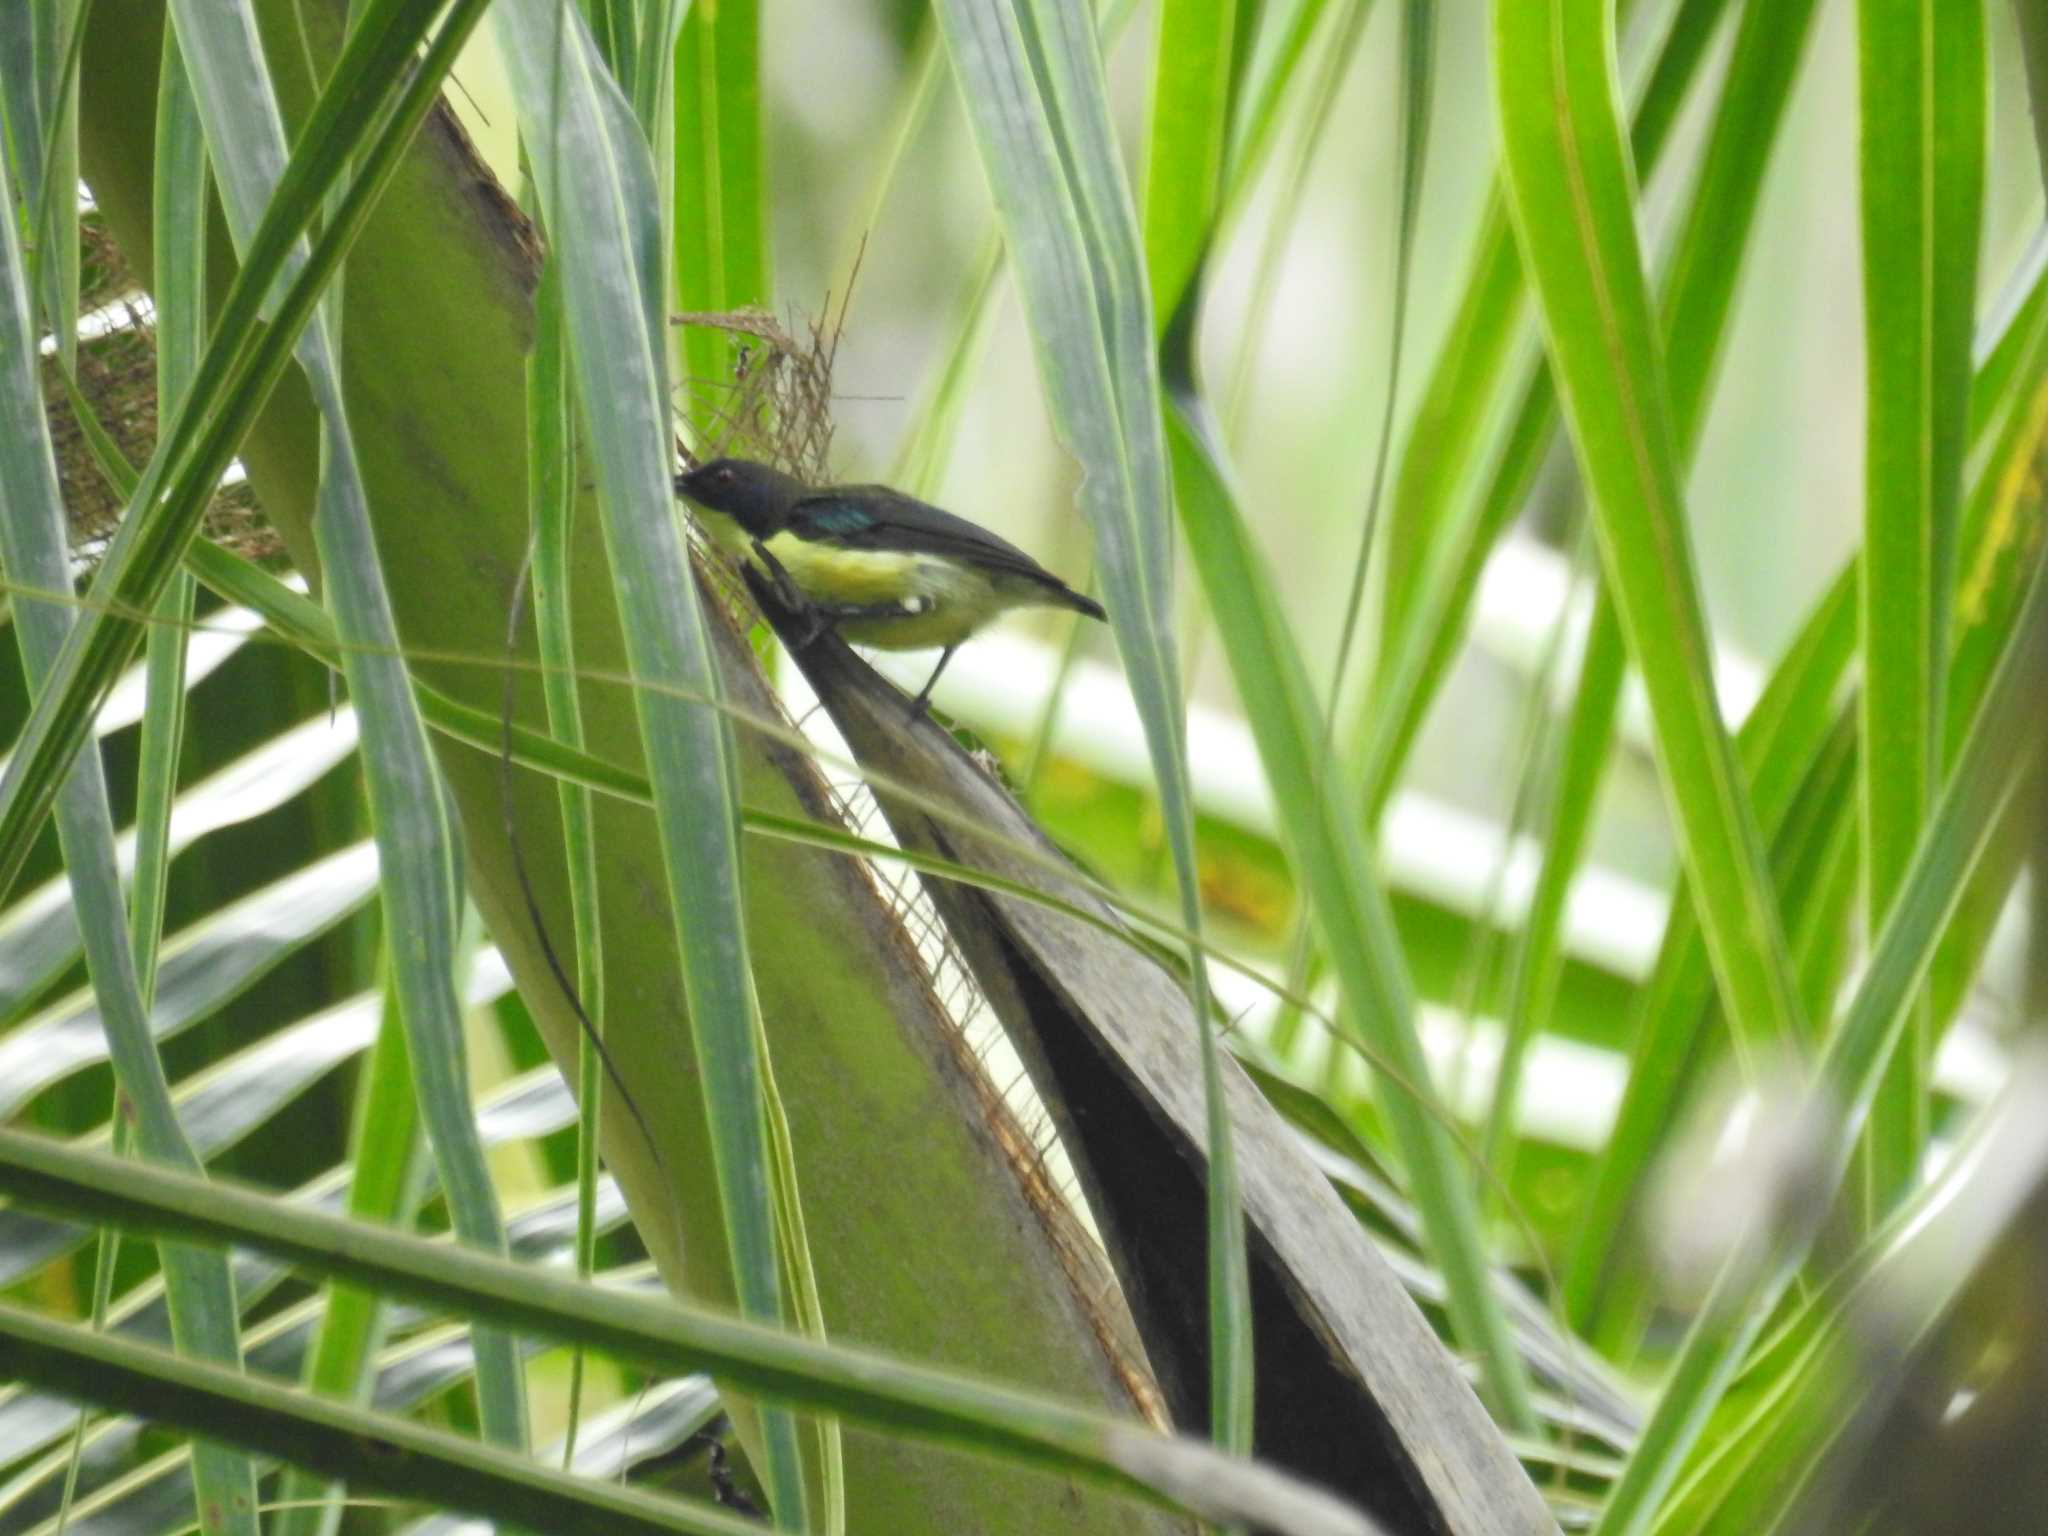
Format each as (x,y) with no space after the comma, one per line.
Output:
(922,704)
(785,585)
(817,619)
(816,622)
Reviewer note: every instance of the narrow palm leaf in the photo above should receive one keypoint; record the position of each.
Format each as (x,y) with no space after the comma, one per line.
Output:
(671,1336)
(251,347)
(1574,205)
(1923,114)
(33,552)
(1994,761)
(1183,185)
(416,842)
(371,1450)
(595,180)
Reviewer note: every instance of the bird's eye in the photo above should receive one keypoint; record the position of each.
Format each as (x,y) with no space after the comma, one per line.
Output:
(725,473)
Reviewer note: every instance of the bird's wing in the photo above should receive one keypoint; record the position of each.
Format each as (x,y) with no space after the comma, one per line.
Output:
(878,518)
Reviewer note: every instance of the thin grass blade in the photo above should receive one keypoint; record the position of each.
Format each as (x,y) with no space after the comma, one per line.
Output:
(1418,42)
(1699,288)
(370,1450)
(1539,956)
(53,210)
(550,474)
(179,267)
(1351,910)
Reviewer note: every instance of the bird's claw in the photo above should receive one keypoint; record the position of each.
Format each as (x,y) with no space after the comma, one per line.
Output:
(785,586)
(816,619)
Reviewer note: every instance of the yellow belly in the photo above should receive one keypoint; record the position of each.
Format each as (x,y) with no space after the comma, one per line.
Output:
(954,601)
(917,632)
(852,578)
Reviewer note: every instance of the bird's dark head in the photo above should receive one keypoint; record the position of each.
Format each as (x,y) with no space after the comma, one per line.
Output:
(755,496)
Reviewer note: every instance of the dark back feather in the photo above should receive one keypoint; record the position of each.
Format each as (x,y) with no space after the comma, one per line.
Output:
(879,518)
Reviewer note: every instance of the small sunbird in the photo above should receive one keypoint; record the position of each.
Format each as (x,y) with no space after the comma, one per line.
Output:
(883,569)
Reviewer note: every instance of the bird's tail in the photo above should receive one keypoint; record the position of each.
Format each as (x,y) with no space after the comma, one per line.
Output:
(1082,603)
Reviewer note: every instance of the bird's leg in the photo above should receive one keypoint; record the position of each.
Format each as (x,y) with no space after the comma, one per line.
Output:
(923,702)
